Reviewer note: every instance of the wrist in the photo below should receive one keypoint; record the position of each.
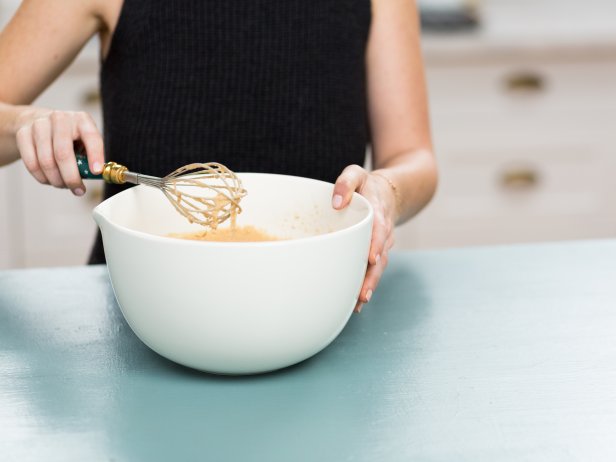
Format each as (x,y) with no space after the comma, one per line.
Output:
(21,115)
(12,118)
(394,193)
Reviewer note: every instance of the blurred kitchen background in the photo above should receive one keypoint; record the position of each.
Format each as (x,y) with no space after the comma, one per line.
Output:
(523,107)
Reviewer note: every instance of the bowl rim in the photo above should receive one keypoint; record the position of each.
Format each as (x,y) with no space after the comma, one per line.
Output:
(221,244)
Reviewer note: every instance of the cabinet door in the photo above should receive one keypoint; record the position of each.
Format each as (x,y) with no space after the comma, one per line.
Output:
(10,223)
(11,217)
(6,233)
(526,152)
(520,191)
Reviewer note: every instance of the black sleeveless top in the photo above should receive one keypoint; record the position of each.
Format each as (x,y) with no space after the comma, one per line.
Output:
(258,85)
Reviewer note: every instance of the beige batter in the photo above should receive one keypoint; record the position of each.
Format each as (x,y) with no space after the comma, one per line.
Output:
(233,234)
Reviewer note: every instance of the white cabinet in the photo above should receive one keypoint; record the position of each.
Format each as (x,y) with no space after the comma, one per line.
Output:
(6,230)
(526,151)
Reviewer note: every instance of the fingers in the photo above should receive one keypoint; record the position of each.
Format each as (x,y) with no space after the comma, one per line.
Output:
(64,155)
(93,142)
(28,154)
(371,281)
(352,178)
(46,147)
(41,135)
(381,229)
(374,274)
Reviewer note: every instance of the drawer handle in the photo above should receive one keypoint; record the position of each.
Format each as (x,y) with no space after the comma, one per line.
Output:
(525,82)
(519,179)
(91,97)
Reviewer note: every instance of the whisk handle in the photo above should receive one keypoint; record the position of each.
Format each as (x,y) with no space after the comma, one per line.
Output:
(82,164)
(84,169)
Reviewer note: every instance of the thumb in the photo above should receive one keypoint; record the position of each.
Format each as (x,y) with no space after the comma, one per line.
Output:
(350,180)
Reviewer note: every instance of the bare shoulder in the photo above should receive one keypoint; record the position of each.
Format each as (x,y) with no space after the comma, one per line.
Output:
(403,10)
(65,9)
(108,11)
(405,5)
(42,39)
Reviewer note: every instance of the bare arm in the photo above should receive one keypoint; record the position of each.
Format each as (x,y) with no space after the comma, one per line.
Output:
(405,177)
(40,41)
(401,142)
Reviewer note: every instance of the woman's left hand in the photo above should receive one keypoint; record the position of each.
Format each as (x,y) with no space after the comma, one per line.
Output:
(380,193)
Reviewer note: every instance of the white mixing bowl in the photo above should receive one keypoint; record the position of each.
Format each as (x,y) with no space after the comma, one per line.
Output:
(238,307)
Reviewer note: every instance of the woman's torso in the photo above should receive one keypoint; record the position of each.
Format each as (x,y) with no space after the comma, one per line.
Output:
(258,85)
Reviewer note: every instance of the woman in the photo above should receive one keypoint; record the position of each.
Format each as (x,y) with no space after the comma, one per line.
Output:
(290,87)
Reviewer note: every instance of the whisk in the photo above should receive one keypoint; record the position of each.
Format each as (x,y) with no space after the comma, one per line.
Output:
(207,194)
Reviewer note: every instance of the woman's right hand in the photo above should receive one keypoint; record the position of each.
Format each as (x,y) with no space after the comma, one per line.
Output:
(45,141)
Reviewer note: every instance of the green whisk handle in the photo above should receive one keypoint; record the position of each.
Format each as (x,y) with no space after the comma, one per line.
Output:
(84,168)
(82,164)
(112,172)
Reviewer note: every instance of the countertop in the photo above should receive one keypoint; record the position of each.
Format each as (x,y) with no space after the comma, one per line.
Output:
(479,354)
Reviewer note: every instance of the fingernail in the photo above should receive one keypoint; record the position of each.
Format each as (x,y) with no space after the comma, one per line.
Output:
(78,192)
(337,201)
(377,259)
(368,296)
(359,307)
(97,167)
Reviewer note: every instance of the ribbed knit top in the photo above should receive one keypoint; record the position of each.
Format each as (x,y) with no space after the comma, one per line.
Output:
(258,85)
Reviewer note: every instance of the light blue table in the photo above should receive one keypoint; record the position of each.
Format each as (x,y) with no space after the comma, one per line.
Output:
(493,354)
